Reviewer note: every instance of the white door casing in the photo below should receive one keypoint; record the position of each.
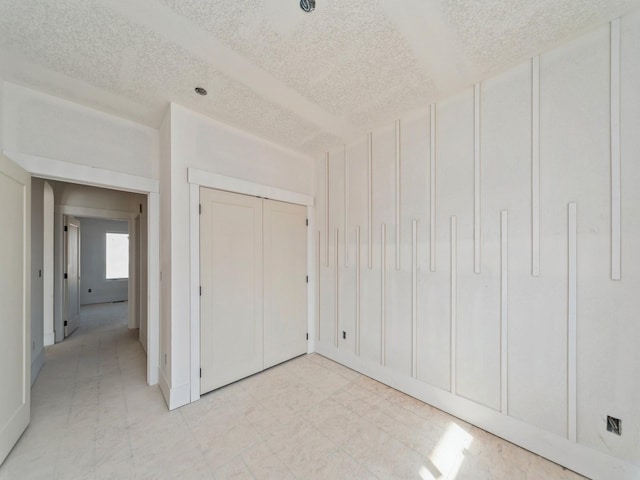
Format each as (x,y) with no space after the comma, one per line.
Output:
(285,281)
(15,259)
(231,335)
(72,274)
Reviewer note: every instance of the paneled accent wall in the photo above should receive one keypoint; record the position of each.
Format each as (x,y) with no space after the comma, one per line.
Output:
(482,255)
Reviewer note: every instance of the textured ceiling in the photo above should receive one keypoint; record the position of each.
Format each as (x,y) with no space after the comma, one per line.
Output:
(306,81)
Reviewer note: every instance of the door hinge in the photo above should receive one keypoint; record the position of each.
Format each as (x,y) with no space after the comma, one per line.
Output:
(66,229)
(66,323)
(307,336)
(140,208)
(307,222)
(201,290)
(66,276)
(307,278)
(200,373)
(200,209)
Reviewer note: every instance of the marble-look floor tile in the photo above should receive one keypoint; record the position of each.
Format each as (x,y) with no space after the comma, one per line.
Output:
(94,417)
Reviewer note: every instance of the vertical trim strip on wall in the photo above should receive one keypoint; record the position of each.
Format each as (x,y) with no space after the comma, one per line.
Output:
(194,257)
(615,151)
(346,209)
(476,170)
(414,299)
(454,300)
(535,166)
(326,208)
(358,290)
(432,188)
(398,160)
(370,198)
(318,286)
(571,322)
(337,290)
(383,294)
(504,311)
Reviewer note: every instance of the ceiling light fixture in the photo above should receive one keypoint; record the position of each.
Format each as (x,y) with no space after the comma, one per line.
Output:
(200,91)
(308,5)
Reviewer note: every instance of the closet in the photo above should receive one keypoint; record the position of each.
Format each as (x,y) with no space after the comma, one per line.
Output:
(253,303)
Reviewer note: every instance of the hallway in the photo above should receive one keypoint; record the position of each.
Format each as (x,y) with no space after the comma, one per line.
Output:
(93,417)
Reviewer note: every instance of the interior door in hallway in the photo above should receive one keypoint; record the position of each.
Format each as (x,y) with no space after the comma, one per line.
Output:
(285,284)
(15,321)
(72,274)
(231,324)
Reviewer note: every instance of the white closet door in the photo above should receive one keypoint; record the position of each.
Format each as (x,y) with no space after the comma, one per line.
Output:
(231,334)
(15,317)
(285,287)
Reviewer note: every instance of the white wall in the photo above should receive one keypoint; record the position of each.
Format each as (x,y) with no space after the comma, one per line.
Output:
(165,255)
(532,403)
(199,142)
(93,262)
(37,296)
(39,124)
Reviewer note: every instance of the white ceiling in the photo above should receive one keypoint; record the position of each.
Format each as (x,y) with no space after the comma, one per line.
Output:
(306,81)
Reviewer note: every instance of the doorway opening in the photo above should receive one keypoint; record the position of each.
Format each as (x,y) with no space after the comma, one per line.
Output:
(93,243)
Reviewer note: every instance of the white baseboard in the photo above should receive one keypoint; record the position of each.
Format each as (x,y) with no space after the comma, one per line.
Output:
(164,387)
(579,458)
(36,365)
(49,339)
(174,397)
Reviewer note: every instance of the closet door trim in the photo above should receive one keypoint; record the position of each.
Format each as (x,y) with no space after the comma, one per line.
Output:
(200,178)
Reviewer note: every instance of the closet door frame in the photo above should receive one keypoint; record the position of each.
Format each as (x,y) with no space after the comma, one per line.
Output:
(200,178)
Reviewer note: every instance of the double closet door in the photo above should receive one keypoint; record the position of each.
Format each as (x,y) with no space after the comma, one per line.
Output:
(253,304)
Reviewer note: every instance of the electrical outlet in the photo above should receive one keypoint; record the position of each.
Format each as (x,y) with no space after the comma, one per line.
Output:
(344,335)
(614,425)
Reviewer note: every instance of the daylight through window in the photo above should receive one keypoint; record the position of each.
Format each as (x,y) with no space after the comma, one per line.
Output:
(117,256)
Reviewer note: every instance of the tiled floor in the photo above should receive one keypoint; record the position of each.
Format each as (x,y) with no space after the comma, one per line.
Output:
(93,416)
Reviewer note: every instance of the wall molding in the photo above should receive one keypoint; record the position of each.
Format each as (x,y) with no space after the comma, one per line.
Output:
(94,212)
(572,311)
(36,365)
(383,294)
(398,193)
(616,237)
(358,279)
(346,209)
(453,306)
(337,290)
(432,188)
(236,185)
(318,298)
(504,312)
(477,193)
(535,166)
(414,299)
(370,198)
(326,207)
(194,294)
(53,169)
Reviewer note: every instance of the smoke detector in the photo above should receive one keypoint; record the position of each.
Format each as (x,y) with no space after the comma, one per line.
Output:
(308,5)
